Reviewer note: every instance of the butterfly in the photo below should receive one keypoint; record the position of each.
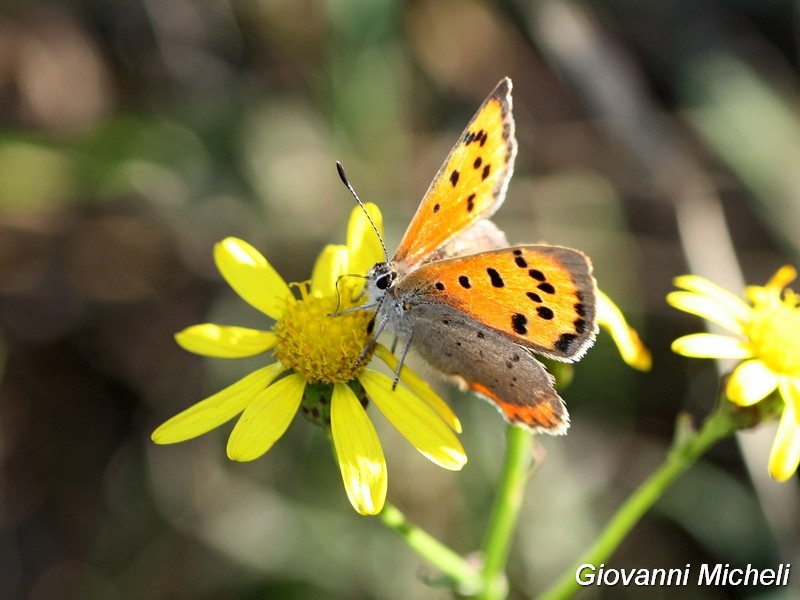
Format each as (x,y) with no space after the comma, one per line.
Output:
(469,304)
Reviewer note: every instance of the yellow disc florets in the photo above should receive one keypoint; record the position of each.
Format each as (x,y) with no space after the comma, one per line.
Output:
(321,347)
(775,335)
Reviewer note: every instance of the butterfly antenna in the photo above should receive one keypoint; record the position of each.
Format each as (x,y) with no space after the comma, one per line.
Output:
(346,182)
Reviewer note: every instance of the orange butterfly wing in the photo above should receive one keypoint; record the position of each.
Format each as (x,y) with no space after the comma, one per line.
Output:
(541,297)
(470,185)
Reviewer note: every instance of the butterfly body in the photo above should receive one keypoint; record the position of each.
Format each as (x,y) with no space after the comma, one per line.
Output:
(473,307)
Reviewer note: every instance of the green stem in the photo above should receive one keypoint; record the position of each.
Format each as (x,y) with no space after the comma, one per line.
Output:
(687,447)
(443,558)
(505,513)
(490,582)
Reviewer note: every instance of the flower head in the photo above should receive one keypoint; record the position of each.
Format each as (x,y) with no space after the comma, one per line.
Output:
(318,368)
(767,341)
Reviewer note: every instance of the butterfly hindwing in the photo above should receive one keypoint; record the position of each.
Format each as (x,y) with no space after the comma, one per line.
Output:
(470,185)
(541,297)
(503,373)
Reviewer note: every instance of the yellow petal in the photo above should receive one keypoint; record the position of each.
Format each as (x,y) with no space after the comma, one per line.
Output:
(750,382)
(730,303)
(785,455)
(217,409)
(770,294)
(419,424)
(331,265)
(266,418)
(223,341)
(790,392)
(782,277)
(358,451)
(251,276)
(362,240)
(421,388)
(710,345)
(630,347)
(708,308)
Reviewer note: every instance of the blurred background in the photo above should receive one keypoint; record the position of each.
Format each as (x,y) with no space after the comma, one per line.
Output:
(659,137)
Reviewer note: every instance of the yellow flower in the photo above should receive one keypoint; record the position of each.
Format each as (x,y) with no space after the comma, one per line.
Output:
(767,331)
(316,368)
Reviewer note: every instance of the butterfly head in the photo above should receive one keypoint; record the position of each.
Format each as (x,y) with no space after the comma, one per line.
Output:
(381,279)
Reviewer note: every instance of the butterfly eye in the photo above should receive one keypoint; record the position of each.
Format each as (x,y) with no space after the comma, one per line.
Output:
(385,280)
(382,275)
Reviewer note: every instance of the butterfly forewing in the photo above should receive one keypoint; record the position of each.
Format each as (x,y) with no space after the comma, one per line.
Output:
(470,185)
(542,297)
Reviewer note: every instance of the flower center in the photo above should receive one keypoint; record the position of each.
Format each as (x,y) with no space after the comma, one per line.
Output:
(322,348)
(775,335)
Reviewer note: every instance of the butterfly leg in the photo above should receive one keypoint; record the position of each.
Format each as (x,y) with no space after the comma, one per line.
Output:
(366,306)
(401,358)
(378,329)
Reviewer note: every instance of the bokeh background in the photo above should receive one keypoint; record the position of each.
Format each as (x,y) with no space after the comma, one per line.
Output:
(659,137)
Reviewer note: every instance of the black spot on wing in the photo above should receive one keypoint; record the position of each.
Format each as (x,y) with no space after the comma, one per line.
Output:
(536,274)
(519,323)
(534,296)
(545,313)
(547,288)
(494,278)
(566,342)
(479,136)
